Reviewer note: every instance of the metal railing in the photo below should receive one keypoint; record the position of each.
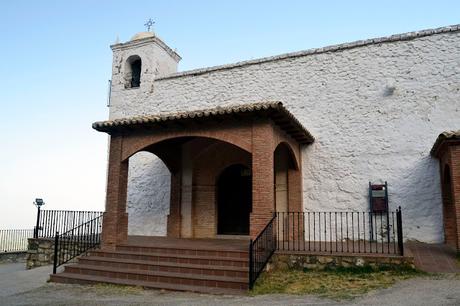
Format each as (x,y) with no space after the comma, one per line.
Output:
(340,232)
(76,241)
(51,221)
(261,250)
(14,240)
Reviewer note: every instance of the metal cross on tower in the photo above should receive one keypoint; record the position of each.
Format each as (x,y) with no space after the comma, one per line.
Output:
(149,24)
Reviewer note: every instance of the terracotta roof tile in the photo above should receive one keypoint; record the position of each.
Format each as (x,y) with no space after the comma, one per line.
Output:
(447,135)
(274,110)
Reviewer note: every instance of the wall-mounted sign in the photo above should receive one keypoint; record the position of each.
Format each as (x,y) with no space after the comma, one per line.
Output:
(378,197)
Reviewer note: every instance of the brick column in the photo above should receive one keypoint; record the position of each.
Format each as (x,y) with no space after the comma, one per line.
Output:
(455,176)
(263,199)
(295,190)
(295,203)
(115,224)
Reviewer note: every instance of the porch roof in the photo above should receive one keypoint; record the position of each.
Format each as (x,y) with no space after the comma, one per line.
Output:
(451,136)
(273,110)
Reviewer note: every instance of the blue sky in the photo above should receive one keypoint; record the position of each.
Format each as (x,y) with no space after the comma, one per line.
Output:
(56,62)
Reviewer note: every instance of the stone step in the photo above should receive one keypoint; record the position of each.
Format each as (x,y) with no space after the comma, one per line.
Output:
(175,267)
(160,277)
(70,278)
(186,250)
(174,258)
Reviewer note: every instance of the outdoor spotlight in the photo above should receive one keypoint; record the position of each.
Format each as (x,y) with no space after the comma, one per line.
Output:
(39,202)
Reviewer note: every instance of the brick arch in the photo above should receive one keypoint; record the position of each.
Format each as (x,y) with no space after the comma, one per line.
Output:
(208,165)
(238,137)
(292,153)
(287,178)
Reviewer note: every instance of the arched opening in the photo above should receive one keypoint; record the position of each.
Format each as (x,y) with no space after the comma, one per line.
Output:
(133,72)
(148,195)
(288,191)
(450,222)
(283,163)
(234,200)
(188,207)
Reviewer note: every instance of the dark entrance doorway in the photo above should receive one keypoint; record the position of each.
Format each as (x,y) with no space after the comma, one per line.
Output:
(234,200)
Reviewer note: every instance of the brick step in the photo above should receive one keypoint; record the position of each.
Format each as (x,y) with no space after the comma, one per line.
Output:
(174,258)
(70,278)
(161,277)
(164,266)
(184,251)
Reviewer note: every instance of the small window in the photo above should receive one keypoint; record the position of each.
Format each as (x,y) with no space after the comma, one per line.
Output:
(133,72)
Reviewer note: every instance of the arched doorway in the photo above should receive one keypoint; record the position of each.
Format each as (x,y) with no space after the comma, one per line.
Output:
(234,200)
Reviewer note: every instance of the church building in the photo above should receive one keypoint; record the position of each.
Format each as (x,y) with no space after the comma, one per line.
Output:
(215,153)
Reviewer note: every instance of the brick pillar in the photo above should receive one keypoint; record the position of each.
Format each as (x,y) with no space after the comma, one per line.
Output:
(263,198)
(295,190)
(115,224)
(455,176)
(174,217)
(295,204)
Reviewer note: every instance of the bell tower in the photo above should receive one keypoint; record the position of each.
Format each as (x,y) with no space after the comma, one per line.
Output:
(136,64)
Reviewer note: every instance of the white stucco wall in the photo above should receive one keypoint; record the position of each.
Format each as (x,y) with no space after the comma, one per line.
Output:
(148,195)
(375,111)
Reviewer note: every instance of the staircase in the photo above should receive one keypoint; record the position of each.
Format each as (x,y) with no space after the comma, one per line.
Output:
(180,266)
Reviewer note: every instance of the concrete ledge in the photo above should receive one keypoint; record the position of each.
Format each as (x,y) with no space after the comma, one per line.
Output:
(9,257)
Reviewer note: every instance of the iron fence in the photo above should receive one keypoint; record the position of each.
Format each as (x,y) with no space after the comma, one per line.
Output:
(76,241)
(14,240)
(340,232)
(260,251)
(51,221)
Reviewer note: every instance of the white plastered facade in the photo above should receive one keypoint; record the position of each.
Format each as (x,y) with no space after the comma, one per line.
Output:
(375,108)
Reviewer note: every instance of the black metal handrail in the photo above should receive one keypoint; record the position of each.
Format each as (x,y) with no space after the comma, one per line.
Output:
(261,250)
(76,241)
(14,240)
(340,232)
(51,221)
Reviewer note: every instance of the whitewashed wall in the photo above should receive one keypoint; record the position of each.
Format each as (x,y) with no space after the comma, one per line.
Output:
(375,111)
(148,195)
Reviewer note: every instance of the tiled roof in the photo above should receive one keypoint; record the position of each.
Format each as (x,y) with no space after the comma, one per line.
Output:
(447,135)
(273,110)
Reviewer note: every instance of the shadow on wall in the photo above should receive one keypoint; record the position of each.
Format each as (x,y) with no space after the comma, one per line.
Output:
(419,195)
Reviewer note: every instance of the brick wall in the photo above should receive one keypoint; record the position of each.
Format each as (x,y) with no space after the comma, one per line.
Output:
(450,183)
(455,162)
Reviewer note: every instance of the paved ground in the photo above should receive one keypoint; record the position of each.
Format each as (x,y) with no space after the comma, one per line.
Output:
(20,287)
(434,258)
(14,278)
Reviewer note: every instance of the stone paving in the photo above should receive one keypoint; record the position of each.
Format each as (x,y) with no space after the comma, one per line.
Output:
(417,292)
(15,279)
(28,287)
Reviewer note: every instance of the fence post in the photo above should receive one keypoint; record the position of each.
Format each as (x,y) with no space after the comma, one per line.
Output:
(55,259)
(251,265)
(400,231)
(37,225)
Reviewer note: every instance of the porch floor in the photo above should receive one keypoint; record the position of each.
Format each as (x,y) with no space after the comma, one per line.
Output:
(189,243)
(434,258)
